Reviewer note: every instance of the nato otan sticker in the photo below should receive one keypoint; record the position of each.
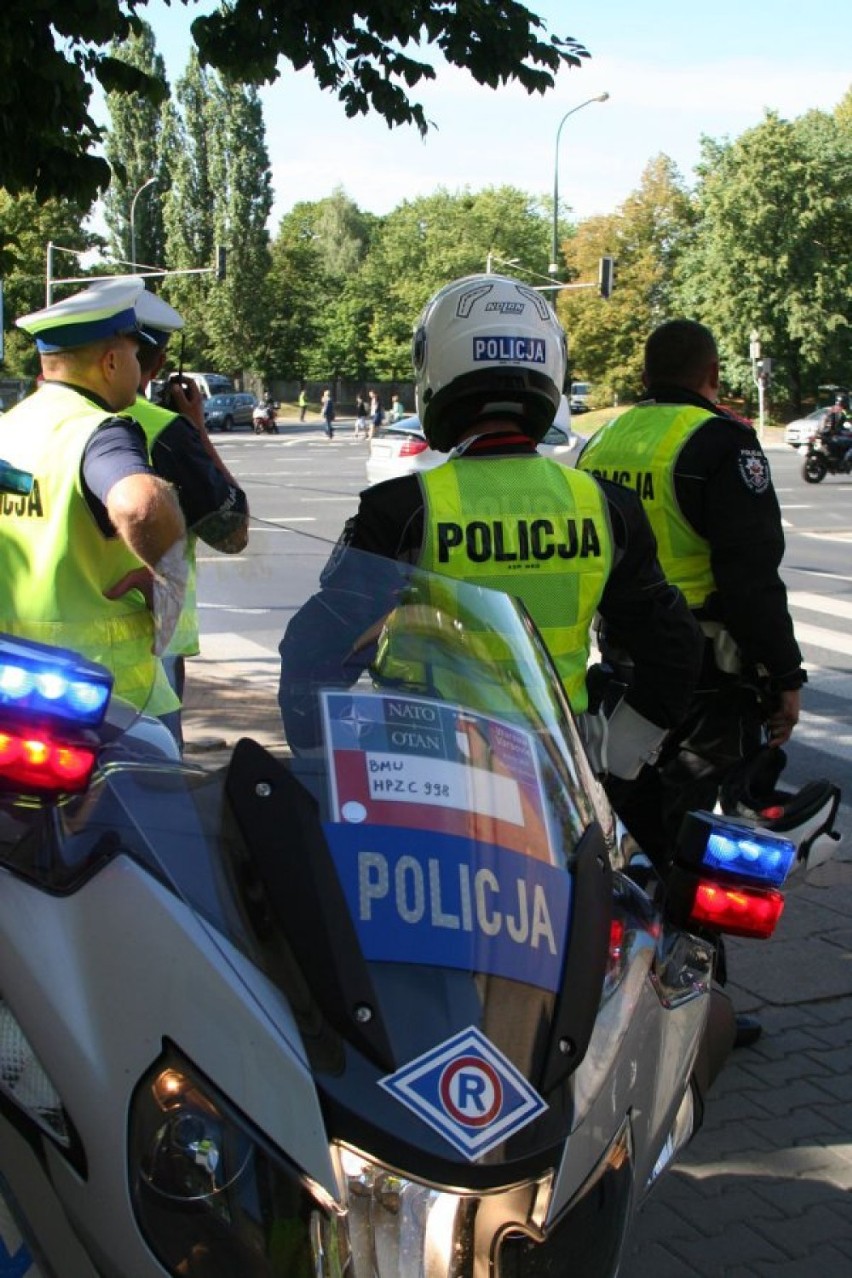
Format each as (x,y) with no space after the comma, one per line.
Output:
(468,1091)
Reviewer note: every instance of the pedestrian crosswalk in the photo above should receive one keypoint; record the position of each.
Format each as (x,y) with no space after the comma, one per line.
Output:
(822,742)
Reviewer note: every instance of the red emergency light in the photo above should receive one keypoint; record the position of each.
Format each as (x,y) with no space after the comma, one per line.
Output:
(735,909)
(33,762)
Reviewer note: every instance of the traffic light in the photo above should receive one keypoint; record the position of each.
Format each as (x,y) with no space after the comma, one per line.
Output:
(221,261)
(606,276)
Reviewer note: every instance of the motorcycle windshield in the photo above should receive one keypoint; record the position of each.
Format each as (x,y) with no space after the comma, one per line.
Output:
(392,844)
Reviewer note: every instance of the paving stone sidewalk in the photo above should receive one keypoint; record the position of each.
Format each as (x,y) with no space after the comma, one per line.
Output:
(765,1189)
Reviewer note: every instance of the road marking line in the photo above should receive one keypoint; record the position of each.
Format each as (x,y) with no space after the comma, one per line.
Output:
(820,572)
(820,637)
(818,728)
(819,603)
(252,612)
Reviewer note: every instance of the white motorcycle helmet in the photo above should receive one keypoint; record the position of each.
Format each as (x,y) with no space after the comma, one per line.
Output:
(806,816)
(487,345)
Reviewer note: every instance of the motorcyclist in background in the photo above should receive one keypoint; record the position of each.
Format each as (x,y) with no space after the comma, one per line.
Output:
(490,359)
(835,431)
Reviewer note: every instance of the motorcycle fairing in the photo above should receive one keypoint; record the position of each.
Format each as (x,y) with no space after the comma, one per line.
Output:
(544,1035)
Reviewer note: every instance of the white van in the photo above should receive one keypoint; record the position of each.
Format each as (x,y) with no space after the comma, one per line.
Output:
(211,383)
(579,400)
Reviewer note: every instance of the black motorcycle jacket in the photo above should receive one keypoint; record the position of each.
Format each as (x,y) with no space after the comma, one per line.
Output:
(723,485)
(665,643)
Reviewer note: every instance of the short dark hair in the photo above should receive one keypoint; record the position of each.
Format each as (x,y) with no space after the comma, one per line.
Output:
(149,356)
(679,353)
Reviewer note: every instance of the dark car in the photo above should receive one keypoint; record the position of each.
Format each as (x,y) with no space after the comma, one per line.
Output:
(224,412)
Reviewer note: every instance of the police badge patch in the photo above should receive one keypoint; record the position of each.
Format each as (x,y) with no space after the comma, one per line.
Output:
(754,470)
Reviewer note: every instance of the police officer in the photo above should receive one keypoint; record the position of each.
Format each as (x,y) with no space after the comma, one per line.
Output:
(97,513)
(213,503)
(490,359)
(705,484)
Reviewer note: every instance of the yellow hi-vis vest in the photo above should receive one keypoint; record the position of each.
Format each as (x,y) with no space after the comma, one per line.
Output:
(154,419)
(55,563)
(531,528)
(639,449)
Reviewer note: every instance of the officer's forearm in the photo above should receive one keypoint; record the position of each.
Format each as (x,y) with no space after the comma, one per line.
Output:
(145,513)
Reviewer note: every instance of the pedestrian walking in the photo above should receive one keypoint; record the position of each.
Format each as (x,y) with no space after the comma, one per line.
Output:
(360,416)
(327,410)
(377,413)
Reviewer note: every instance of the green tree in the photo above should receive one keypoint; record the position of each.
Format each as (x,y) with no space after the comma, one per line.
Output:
(49,55)
(343,233)
(242,201)
(425,243)
(772,251)
(645,237)
(26,228)
(361,51)
(188,208)
(221,195)
(135,152)
(321,309)
(296,293)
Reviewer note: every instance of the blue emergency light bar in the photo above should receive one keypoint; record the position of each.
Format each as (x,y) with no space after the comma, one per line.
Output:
(43,682)
(753,853)
(737,848)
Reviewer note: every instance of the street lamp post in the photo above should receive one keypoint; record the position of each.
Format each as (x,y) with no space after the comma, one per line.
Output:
(760,369)
(553,268)
(143,187)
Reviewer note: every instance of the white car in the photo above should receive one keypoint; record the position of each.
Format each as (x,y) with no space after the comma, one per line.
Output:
(800,432)
(401,448)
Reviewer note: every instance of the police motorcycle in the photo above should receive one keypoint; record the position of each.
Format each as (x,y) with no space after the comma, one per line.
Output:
(826,455)
(382,1000)
(263,418)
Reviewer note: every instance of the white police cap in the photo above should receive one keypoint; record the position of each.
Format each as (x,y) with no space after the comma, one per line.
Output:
(156,318)
(104,310)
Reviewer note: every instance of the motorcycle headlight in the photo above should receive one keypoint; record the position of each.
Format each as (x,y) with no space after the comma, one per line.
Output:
(213,1199)
(399,1225)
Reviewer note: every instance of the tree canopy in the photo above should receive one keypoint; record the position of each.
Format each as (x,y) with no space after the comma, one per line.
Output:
(770,252)
(362,50)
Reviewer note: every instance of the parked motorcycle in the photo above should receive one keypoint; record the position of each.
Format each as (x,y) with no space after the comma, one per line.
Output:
(826,457)
(386,1002)
(264,420)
